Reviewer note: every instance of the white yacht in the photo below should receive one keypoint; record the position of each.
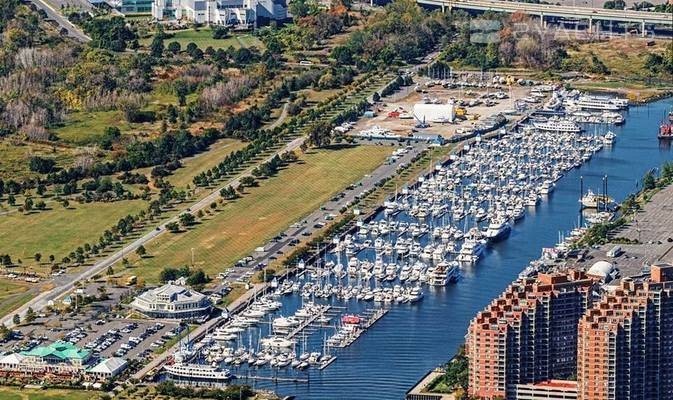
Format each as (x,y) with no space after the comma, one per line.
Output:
(609,138)
(558,125)
(600,103)
(497,229)
(197,371)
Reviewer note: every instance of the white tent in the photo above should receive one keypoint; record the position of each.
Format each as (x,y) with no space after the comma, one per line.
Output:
(435,112)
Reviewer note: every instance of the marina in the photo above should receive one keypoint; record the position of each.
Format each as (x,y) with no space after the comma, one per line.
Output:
(418,261)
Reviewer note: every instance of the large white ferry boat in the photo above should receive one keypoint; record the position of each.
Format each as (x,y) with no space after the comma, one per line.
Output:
(558,125)
(197,371)
(598,103)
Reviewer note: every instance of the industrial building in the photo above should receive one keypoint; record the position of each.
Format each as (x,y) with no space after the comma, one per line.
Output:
(528,334)
(174,302)
(240,13)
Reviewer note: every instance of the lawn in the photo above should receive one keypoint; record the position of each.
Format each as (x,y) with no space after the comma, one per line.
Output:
(203,38)
(59,231)
(244,224)
(86,127)
(15,157)
(12,295)
(15,393)
(193,166)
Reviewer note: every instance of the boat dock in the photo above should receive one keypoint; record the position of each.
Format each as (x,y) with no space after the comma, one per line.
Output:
(374,315)
(308,321)
(326,363)
(271,378)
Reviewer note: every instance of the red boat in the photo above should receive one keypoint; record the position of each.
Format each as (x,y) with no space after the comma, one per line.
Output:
(350,319)
(665,131)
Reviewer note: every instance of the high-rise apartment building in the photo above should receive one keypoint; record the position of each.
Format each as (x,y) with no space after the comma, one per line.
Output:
(528,334)
(625,343)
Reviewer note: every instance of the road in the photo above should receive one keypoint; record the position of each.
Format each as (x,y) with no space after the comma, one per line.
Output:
(54,14)
(65,283)
(553,10)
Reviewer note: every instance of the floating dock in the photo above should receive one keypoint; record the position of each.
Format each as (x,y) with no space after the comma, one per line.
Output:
(307,322)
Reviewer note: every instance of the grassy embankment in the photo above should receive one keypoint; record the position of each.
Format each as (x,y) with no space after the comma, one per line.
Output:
(203,38)
(625,58)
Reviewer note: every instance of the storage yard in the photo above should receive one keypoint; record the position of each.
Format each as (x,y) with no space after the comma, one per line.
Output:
(396,113)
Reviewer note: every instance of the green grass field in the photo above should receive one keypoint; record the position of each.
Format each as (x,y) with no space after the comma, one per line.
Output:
(193,166)
(86,127)
(204,38)
(15,156)
(59,231)
(244,224)
(12,295)
(16,393)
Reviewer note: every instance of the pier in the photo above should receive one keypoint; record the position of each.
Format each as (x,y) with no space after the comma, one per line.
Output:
(307,322)
(271,378)
(357,331)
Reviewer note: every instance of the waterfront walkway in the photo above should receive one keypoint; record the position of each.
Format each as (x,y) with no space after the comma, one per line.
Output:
(418,392)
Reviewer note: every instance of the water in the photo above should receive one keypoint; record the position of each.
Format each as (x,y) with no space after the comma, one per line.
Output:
(411,339)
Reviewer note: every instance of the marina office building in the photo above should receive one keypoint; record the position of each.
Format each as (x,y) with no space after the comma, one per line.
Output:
(60,359)
(523,345)
(174,302)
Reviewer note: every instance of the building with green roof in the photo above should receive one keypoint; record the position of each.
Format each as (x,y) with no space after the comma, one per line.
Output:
(58,352)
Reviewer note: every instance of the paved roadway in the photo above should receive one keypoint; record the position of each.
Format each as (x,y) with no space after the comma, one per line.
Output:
(552,10)
(54,14)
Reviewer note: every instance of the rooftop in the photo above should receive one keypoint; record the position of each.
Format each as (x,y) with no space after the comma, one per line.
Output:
(61,350)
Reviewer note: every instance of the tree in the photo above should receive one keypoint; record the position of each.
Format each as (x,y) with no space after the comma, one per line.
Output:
(30,315)
(220,32)
(157,46)
(649,182)
(109,271)
(37,257)
(16,319)
(181,91)
(228,193)
(65,203)
(173,227)
(28,204)
(187,219)
(197,278)
(41,165)
(320,133)
(5,333)
(248,181)
(174,47)
(141,251)
(11,200)
(51,258)
(109,33)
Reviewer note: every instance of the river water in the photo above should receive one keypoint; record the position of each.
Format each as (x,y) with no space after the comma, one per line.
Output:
(413,338)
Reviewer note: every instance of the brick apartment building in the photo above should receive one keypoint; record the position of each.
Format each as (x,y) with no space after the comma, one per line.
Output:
(528,334)
(625,343)
(533,340)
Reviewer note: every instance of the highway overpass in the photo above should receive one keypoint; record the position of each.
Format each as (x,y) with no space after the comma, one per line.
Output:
(553,11)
